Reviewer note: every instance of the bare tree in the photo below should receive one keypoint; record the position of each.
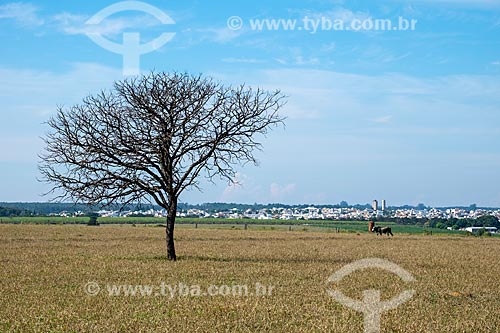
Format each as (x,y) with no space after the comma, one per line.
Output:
(152,137)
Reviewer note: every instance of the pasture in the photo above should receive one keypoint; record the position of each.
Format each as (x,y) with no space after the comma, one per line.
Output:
(343,226)
(45,270)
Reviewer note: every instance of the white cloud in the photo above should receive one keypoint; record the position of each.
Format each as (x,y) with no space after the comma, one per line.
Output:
(29,96)
(295,57)
(324,103)
(25,14)
(46,88)
(236,185)
(219,35)
(472,3)
(382,120)
(234,190)
(243,60)
(338,13)
(395,58)
(242,189)
(298,61)
(281,61)
(347,16)
(72,24)
(333,119)
(17,148)
(329,47)
(280,192)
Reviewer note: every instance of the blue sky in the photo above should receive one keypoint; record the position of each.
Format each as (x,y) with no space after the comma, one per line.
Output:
(406,116)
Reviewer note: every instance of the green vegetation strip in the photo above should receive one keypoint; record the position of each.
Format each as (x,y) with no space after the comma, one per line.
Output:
(329,225)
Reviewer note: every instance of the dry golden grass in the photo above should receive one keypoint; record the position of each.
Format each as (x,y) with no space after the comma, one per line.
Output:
(44,270)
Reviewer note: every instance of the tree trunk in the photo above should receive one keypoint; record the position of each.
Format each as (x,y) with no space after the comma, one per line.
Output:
(171,212)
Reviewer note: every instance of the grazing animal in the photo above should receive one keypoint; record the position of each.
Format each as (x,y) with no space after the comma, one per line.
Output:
(386,230)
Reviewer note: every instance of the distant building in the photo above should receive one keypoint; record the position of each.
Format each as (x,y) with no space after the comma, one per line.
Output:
(474,230)
(374,204)
(383,205)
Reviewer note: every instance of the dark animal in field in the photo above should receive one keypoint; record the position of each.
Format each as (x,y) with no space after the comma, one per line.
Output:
(386,231)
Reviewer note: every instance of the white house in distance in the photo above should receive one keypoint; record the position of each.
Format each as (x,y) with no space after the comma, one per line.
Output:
(474,230)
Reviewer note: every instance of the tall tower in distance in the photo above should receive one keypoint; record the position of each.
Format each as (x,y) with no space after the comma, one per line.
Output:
(383,205)
(374,204)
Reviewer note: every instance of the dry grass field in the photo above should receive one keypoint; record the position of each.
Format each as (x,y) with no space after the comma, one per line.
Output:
(44,271)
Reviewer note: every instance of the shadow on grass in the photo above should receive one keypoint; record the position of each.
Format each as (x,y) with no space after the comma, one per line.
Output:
(184,258)
(226,239)
(260,260)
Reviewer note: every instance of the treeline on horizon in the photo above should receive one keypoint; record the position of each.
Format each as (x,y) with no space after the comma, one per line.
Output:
(441,223)
(47,208)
